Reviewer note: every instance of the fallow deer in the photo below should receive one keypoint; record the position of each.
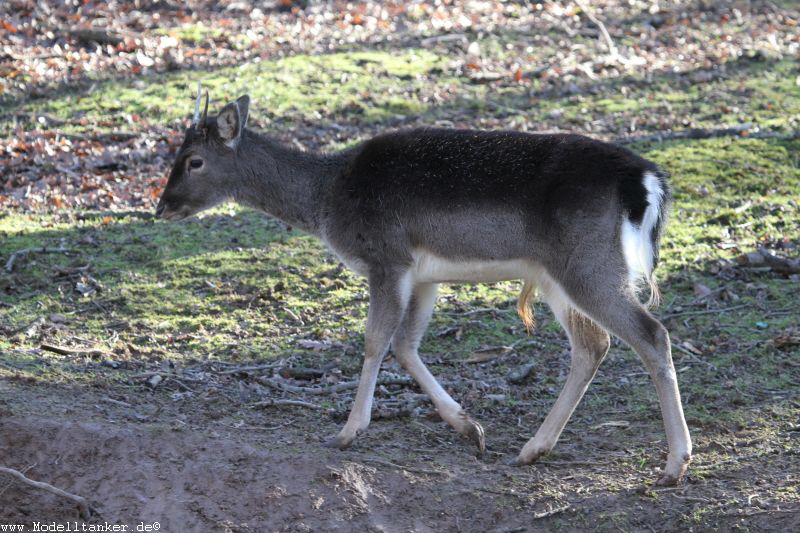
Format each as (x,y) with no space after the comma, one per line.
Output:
(576,219)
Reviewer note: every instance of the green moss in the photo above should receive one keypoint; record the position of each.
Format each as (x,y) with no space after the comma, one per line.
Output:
(366,86)
(192,34)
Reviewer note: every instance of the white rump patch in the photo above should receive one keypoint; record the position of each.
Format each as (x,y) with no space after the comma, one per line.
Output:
(636,243)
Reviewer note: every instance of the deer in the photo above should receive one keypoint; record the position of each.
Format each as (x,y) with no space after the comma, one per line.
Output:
(578,221)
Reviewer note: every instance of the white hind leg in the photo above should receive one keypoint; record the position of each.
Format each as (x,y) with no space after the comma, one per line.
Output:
(589,345)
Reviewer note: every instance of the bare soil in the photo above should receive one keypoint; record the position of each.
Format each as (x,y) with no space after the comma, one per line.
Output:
(151,460)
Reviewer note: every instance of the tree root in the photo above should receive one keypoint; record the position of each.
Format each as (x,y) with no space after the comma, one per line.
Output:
(83,505)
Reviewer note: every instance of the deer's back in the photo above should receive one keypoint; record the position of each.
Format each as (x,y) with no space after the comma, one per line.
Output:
(481,194)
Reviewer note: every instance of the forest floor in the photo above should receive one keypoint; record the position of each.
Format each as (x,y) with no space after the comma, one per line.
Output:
(188,373)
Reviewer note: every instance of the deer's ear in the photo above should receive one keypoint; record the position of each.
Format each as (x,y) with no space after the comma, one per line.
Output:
(232,119)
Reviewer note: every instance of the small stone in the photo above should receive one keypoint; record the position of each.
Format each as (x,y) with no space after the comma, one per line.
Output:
(520,374)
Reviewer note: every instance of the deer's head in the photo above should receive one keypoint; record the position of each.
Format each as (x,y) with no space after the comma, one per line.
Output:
(206,164)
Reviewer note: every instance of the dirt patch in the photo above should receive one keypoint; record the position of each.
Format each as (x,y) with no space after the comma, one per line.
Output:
(202,478)
(187,481)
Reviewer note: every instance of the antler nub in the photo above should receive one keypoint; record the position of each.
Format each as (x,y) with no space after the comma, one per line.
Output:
(205,109)
(196,119)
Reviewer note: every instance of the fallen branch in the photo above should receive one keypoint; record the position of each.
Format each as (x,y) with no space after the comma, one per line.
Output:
(90,35)
(83,505)
(298,403)
(447,37)
(26,251)
(61,350)
(612,48)
(115,402)
(783,265)
(251,368)
(166,375)
(694,357)
(551,512)
(300,372)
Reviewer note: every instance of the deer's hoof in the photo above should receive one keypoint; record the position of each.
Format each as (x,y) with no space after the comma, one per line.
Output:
(674,474)
(474,432)
(339,442)
(524,458)
(515,461)
(668,481)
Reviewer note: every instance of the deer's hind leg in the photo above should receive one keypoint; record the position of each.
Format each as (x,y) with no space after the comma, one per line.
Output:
(405,346)
(605,299)
(589,344)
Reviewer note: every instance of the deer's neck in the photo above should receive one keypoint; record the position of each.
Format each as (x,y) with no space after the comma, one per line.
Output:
(286,183)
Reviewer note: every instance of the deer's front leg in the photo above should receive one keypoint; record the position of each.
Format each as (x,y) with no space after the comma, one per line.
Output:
(389,293)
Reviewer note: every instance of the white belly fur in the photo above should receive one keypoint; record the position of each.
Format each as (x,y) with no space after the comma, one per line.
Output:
(430,268)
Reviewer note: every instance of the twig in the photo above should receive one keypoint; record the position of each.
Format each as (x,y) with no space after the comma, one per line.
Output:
(260,428)
(331,389)
(703,312)
(298,403)
(83,505)
(407,468)
(20,253)
(72,351)
(250,368)
(551,512)
(167,375)
(115,402)
(500,492)
(612,48)
(570,463)
(694,357)
(444,38)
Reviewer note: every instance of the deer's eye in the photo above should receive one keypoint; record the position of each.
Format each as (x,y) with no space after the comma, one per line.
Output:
(195,163)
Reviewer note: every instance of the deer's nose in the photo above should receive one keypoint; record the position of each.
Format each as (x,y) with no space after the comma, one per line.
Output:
(160,209)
